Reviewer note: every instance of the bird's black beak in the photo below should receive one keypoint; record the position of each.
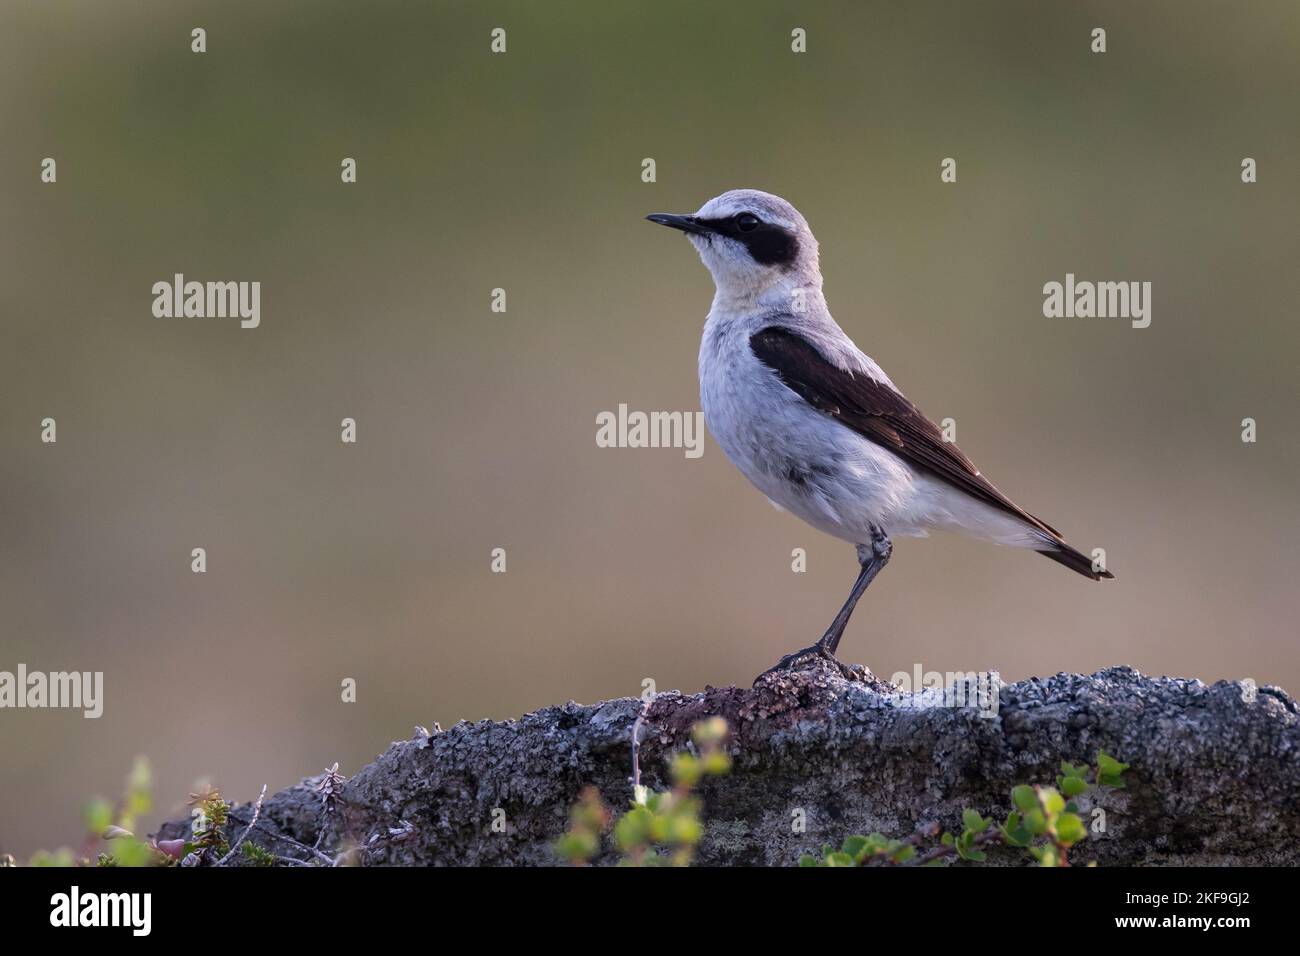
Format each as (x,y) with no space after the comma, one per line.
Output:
(684,223)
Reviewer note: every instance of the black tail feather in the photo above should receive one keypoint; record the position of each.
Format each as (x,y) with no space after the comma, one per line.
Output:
(1075,561)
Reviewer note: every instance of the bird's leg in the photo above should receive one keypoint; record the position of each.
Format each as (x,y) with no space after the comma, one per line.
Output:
(872,558)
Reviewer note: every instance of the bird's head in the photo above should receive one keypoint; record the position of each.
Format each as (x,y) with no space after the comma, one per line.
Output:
(751,241)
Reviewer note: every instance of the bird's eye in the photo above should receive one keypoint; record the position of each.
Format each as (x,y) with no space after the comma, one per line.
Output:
(747,222)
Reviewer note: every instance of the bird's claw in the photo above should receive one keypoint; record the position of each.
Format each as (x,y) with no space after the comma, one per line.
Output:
(802,658)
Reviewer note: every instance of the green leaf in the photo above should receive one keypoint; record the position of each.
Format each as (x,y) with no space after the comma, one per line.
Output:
(717,763)
(686,770)
(972,854)
(710,731)
(854,846)
(1109,770)
(633,828)
(904,853)
(685,830)
(1016,836)
(1024,798)
(1035,822)
(878,840)
(132,852)
(1053,802)
(98,815)
(973,821)
(1070,829)
(808,860)
(1072,786)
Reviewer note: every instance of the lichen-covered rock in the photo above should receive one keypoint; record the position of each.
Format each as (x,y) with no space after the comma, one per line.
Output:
(1214,778)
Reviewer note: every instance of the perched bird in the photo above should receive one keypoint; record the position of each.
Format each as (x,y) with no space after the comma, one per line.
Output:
(817,425)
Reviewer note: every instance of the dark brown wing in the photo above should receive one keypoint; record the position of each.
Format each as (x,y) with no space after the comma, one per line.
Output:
(883,415)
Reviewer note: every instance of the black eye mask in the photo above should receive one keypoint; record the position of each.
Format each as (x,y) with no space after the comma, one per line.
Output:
(768,244)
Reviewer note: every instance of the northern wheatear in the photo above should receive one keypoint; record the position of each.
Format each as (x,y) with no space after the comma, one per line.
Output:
(817,425)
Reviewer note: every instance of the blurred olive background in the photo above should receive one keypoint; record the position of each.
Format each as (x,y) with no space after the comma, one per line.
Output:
(477,430)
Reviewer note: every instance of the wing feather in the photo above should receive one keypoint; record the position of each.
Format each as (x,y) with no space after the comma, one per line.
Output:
(877,412)
(880,413)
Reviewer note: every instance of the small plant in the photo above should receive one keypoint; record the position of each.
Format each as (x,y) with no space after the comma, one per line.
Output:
(662,828)
(588,819)
(863,851)
(257,856)
(210,815)
(110,830)
(111,841)
(1045,821)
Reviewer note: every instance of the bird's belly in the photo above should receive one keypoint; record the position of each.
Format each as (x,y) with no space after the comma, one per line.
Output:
(807,463)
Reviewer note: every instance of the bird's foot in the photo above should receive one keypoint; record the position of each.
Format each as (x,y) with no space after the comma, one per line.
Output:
(809,655)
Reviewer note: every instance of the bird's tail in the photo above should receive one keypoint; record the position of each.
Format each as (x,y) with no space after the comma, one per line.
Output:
(1062,553)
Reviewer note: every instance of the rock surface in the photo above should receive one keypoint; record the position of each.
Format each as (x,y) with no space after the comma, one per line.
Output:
(1214,778)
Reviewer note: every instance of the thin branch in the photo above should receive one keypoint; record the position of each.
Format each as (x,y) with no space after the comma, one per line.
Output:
(257,811)
(636,746)
(324,858)
(927,831)
(989,836)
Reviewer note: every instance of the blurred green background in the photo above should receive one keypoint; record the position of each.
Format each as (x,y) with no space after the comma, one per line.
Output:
(477,430)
